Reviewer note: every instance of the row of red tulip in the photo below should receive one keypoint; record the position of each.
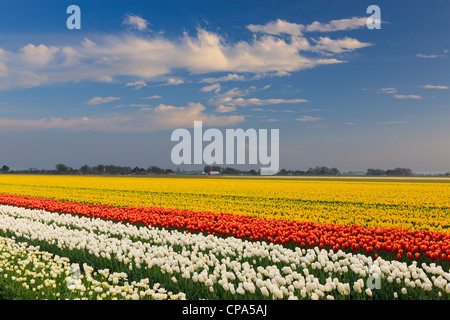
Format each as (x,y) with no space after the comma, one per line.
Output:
(409,243)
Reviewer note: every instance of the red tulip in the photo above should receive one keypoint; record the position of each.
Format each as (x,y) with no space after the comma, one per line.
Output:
(436,245)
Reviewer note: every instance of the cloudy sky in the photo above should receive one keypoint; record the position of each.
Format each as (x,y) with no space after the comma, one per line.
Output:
(112,92)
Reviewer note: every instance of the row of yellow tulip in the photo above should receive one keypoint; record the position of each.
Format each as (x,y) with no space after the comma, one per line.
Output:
(394,203)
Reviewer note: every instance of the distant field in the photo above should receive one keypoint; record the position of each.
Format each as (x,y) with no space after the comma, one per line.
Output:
(412,202)
(338,178)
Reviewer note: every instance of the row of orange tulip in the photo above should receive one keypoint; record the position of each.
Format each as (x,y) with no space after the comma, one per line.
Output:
(410,243)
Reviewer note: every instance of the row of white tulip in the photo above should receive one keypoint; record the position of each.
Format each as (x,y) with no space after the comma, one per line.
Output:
(227,267)
(35,274)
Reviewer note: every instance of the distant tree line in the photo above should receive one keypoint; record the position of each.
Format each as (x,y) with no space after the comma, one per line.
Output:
(5,169)
(390,172)
(316,171)
(283,172)
(229,170)
(111,169)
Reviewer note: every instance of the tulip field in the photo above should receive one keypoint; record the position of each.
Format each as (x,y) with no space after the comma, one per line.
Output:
(223,238)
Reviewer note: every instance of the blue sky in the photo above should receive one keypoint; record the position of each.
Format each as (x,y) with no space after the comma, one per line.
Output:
(341,94)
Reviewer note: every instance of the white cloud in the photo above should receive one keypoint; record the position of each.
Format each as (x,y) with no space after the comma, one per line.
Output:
(225,97)
(214,87)
(30,79)
(3,67)
(273,120)
(429,56)
(338,25)
(224,109)
(135,22)
(407,96)
(34,65)
(272,110)
(145,120)
(39,55)
(173,81)
(105,79)
(233,97)
(70,54)
(429,86)
(228,77)
(3,70)
(308,118)
(278,27)
(389,90)
(136,84)
(399,96)
(261,102)
(338,45)
(99,100)
(107,57)
(163,107)
(88,43)
(151,97)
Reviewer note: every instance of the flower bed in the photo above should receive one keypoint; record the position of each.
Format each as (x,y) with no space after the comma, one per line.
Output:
(199,266)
